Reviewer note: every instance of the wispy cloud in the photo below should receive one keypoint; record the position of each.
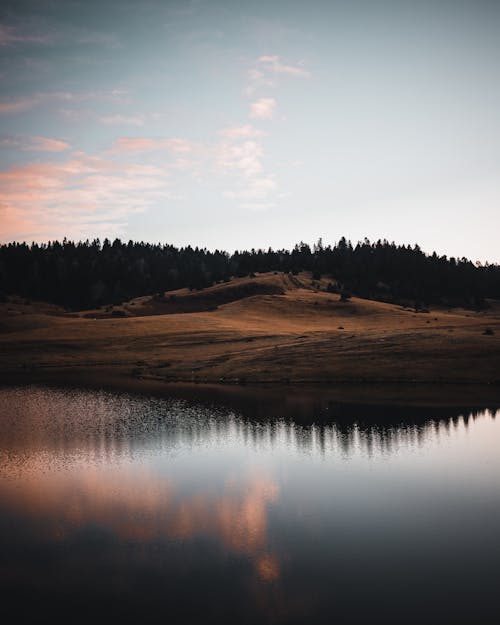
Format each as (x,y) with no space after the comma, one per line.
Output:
(34,144)
(257,79)
(245,158)
(43,144)
(267,68)
(241,153)
(274,64)
(76,115)
(24,103)
(148,144)
(255,187)
(258,188)
(10,35)
(85,195)
(41,31)
(246,131)
(79,197)
(263,108)
(17,105)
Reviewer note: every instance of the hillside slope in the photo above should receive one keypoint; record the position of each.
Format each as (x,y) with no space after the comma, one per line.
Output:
(271,328)
(210,298)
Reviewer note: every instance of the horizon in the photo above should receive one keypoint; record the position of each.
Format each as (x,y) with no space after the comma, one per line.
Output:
(220,125)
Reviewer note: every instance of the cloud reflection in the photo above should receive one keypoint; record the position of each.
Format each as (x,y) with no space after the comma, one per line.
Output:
(136,503)
(147,470)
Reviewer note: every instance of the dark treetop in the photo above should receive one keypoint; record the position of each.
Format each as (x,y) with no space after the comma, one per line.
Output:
(92,273)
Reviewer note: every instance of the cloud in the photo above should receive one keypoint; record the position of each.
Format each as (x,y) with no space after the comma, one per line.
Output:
(255,194)
(241,132)
(178,145)
(146,144)
(273,64)
(256,189)
(122,120)
(9,35)
(262,186)
(241,153)
(245,158)
(139,504)
(266,69)
(135,144)
(34,144)
(263,108)
(82,196)
(42,144)
(17,105)
(257,79)
(76,115)
(24,103)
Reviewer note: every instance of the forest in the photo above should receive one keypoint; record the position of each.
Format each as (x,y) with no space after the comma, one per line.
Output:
(88,274)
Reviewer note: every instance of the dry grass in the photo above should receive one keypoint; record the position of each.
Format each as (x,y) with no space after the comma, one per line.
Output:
(272,328)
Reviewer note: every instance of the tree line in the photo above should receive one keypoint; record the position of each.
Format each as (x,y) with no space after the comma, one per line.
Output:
(88,274)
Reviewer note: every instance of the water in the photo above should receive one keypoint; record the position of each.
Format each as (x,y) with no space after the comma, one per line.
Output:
(120,508)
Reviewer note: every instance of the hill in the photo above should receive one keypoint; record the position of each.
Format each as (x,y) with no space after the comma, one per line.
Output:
(269,328)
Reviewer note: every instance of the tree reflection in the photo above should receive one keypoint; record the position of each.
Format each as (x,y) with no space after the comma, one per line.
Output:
(187,490)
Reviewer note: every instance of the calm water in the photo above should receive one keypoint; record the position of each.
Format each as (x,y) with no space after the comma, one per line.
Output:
(118,508)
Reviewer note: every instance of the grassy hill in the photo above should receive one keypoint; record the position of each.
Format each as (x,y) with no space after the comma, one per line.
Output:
(267,328)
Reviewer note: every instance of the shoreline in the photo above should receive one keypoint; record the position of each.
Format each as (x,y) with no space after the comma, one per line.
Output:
(442,393)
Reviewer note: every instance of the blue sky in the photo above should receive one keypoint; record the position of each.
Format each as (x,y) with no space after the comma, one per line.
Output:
(238,125)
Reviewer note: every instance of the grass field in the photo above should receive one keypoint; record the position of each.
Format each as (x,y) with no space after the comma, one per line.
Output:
(270,328)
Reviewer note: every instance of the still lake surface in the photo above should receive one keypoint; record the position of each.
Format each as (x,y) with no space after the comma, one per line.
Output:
(117,508)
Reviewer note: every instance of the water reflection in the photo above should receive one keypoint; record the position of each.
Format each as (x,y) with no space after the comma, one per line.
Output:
(136,504)
(101,494)
(103,426)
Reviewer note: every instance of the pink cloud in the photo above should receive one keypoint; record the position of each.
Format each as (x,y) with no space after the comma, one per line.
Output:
(34,144)
(85,195)
(17,105)
(134,144)
(42,144)
(82,196)
(263,108)
(146,144)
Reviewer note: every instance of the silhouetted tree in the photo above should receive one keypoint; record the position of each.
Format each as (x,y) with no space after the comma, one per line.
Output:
(90,273)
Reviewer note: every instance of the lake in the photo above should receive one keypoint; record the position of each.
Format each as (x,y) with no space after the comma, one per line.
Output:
(122,508)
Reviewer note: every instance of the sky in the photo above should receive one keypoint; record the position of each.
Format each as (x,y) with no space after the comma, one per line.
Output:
(231,125)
